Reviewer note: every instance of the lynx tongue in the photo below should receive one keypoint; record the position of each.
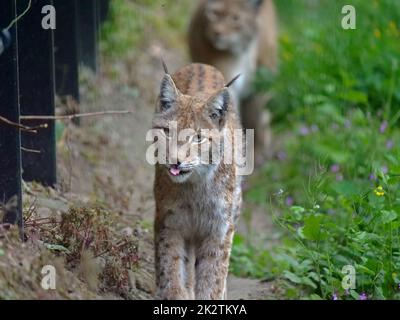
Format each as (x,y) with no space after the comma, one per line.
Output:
(174,170)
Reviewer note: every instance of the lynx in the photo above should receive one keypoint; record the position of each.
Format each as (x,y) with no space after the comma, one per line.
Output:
(197,203)
(237,36)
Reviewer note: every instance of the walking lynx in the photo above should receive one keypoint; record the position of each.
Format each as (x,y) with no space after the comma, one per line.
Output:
(197,203)
(237,36)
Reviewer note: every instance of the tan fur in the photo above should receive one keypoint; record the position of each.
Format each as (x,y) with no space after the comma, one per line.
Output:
(195,216)
(248,39)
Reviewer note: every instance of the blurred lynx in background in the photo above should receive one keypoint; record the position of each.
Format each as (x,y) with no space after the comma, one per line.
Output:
(237,36)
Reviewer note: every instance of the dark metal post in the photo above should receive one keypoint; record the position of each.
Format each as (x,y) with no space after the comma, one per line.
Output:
(104,7)
(88,33)
(66,54)
(36,84)
(10,152)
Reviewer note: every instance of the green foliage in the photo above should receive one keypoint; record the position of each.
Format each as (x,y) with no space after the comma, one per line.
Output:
(323,62)
(248,261)
(334,184)
(131,21)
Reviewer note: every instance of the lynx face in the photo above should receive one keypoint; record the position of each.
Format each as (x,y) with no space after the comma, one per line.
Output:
(193,128)
(231,24)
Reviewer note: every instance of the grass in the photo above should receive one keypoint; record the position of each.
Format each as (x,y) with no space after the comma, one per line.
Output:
(334,184)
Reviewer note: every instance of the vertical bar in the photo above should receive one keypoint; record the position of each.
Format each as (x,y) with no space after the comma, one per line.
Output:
(66,54)
(104,7)
(36,84)
(10,152)
(88,34)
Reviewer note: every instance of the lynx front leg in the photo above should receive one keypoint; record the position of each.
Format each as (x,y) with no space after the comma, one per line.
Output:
(170,279)
(212,268)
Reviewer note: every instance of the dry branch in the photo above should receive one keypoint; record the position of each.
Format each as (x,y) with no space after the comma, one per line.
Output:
(75,116)
(61,117)
(30,150)
(21,126)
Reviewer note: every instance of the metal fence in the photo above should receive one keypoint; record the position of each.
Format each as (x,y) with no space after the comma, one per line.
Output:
(36,63)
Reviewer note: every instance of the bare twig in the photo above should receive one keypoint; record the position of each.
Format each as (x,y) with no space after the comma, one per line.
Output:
(75,116)
(62,117)
(21,126)
(30,150)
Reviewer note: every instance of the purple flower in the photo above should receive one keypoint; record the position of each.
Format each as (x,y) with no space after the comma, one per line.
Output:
(372,177)
(334,296)
(385,169)
(383,126)
(289,201)
(335,168)
(389,144)
(304,131)
(282,155)
(245,185)
(339,177)
(363,296)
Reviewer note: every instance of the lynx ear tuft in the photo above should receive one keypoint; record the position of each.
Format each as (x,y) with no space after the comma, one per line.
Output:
(168,93)
(233,80)
(218,106)
(164,66)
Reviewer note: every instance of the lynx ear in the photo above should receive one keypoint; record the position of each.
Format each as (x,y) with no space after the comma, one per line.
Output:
(217,107)
(168,93)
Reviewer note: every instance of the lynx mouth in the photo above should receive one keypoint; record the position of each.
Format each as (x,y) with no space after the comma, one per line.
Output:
(175,171)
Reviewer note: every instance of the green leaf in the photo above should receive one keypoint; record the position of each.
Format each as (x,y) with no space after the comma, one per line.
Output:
(308,282)
(56,247)
(388,216)
(365,270)
(312,229)
(354,294)
(354,96)
(292,277)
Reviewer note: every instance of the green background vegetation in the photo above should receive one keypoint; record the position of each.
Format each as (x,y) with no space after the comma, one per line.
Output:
(333,185)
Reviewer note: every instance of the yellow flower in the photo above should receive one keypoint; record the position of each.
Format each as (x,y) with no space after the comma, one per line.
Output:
(379,191)
(377,33)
